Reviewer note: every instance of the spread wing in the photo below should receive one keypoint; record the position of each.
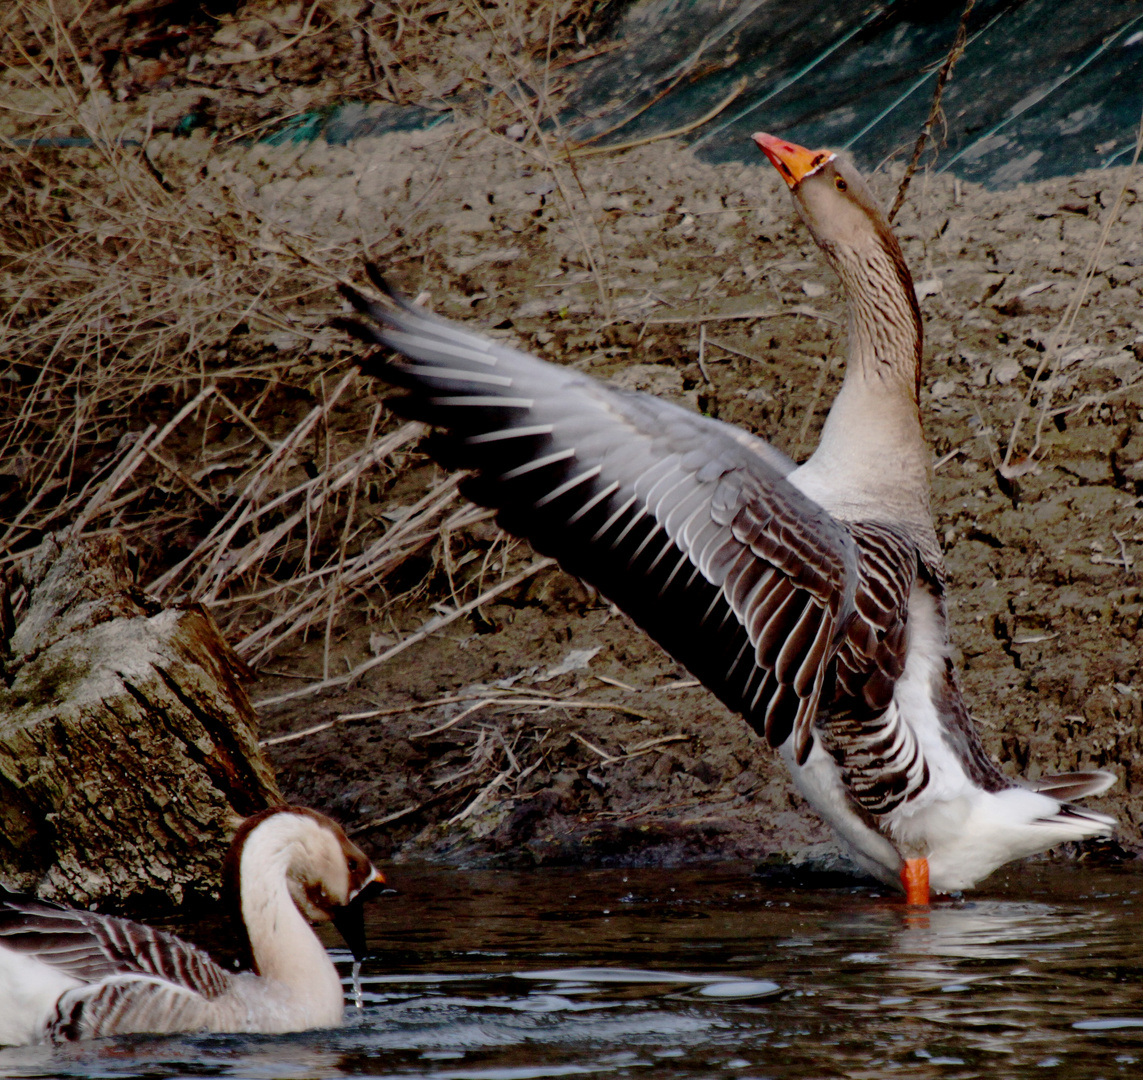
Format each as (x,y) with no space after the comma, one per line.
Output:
(687,524)
(91,947)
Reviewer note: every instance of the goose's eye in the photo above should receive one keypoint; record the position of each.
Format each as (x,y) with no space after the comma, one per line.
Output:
(840,183)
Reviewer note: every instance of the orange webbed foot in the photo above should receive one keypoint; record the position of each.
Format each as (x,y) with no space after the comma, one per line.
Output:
(915,878)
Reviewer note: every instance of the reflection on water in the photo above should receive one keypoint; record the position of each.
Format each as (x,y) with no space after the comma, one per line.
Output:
(514,976)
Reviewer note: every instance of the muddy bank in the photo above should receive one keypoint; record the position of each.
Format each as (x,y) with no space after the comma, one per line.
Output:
(669,263)
(537,727)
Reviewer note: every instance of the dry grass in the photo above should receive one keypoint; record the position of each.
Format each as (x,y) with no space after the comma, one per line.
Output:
(165,369)
(128,296)
(261,61)
(161,373)
(499,754)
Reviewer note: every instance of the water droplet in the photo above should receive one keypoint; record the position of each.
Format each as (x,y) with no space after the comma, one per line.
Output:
(358,1000)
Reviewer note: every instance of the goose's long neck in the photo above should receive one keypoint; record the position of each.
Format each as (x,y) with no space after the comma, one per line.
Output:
(872,458)
(885,331)
(284,945)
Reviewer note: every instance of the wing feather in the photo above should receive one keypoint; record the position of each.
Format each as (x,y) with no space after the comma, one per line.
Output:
(91,947)
(628,491)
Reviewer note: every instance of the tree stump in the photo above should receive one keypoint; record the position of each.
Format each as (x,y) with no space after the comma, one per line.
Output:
(127,744)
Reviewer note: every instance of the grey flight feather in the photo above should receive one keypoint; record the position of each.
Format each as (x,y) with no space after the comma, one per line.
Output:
(1077,785)
(687,524)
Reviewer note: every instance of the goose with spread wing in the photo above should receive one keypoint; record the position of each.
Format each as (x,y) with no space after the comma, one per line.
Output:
(810,598)
(67,974)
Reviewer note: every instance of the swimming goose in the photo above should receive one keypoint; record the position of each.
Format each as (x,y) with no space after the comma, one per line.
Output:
(68,974)
(810,598)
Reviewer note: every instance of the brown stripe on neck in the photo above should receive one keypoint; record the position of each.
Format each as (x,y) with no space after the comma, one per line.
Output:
(897,258)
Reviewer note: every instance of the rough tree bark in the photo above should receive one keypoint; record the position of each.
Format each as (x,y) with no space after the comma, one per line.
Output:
(127,744)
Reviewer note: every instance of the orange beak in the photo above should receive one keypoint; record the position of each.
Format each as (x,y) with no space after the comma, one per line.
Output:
(792,161)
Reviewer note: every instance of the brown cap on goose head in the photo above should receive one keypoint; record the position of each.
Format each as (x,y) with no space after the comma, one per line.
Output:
(849,226)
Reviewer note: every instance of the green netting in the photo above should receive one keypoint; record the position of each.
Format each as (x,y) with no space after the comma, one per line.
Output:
(1045,87)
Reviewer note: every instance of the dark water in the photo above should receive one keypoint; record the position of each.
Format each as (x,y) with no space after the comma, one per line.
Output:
(513,976)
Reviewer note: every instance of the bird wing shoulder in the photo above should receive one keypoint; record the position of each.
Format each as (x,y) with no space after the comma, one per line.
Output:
(891,744)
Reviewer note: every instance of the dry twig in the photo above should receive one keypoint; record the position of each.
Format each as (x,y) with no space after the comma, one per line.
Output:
(431,627)
(936,114)
(273,50)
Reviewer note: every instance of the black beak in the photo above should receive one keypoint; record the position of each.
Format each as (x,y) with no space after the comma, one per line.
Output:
(350,920)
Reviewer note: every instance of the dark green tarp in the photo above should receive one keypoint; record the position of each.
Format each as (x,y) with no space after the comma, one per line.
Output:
(1044,87)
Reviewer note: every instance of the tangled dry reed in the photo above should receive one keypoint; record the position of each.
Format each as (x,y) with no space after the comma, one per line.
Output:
(162,370)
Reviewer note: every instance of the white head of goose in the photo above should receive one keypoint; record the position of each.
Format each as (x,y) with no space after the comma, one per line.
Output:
(808,598)
(68,974)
